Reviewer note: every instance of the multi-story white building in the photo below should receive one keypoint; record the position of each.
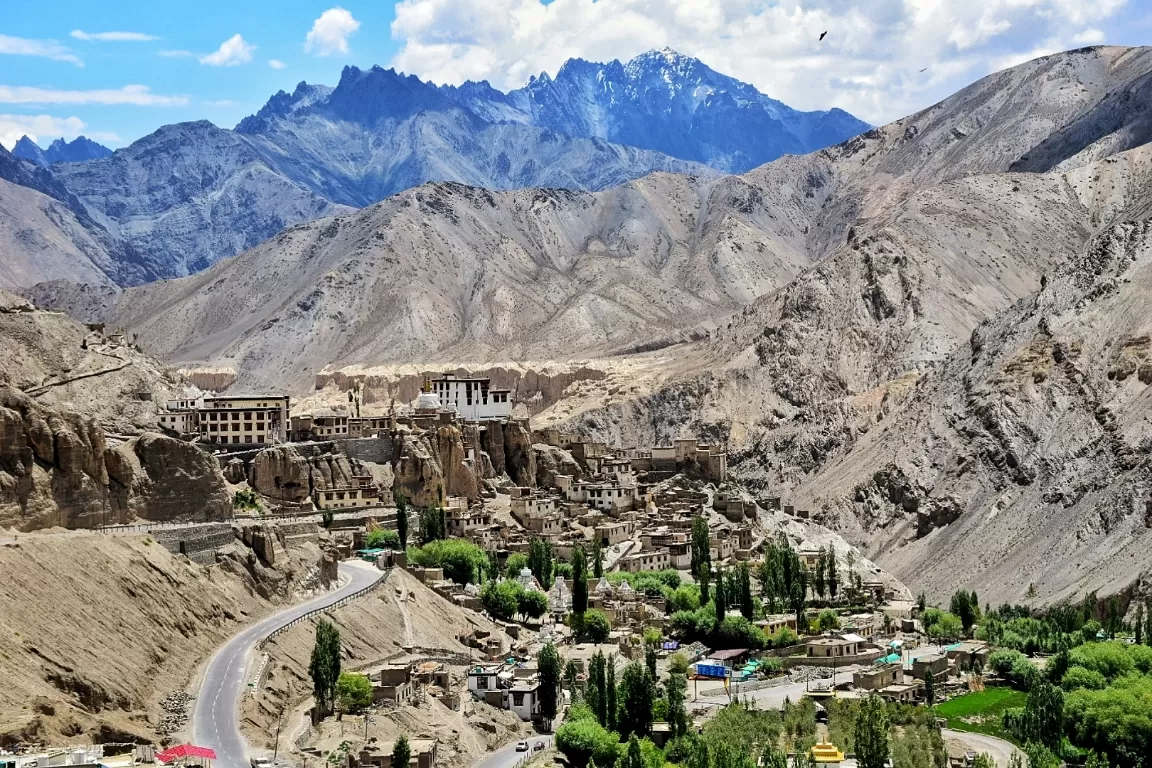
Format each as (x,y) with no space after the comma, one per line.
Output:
(473,399)
(230,420)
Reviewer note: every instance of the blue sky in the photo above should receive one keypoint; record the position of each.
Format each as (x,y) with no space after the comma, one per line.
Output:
(117,70)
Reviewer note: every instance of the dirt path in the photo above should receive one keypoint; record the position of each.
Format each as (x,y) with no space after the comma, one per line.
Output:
(402,603)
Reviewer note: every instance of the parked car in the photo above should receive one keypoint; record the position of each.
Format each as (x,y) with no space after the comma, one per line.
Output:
(521,746)
(538,746)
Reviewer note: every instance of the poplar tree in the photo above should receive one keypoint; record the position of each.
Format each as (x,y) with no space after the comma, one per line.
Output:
(324,666)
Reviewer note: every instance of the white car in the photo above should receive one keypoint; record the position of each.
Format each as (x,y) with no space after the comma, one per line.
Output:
(521,746)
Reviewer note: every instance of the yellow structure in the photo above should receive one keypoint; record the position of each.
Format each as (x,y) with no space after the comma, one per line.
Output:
(826,753)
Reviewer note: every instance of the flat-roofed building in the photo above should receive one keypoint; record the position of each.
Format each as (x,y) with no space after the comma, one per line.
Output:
(233,421)
(473,398)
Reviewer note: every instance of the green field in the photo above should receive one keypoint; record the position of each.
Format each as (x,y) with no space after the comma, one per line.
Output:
(980,712)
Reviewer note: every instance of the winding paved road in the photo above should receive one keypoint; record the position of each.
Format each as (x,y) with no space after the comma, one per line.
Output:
(216,715)
(507,756)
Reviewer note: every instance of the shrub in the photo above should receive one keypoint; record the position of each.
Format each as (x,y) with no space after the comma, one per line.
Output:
(738,632)
(783,637)
(246,498)
(683,598)
(462,561)
(1082,677)
(380,538)
(585,739)
(1111,659)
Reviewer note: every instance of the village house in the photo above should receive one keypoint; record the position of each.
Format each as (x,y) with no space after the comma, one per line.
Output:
(362,494)
(392,683)
(614,533)
(938,663)
(647,560)
(877,677)
(379,755)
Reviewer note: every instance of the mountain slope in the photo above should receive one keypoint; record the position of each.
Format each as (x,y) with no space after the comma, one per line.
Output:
(76,151)
(188,195)
(445,271)
(667,102)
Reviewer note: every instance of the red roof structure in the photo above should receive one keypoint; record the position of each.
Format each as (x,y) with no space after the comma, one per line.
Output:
(172,754)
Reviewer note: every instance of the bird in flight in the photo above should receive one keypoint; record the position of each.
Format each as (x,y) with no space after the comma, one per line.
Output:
(925,69)
(822,34)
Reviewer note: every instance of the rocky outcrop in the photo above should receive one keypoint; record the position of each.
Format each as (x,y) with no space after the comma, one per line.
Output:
(57,470)
(552,460)
(290,473)
(154,477)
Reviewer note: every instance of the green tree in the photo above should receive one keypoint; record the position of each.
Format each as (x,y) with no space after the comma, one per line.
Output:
(401,752)
(650,659)
(532,604)
(744,582)
(963,607)
(674,694)
(821,568)
(1042,719)
(595,626)
(324,666)
(611,704)
(678,664)
(1138,624)
(584,740)
(701,544)
(632,757)
(828,620)
(636,696)
(984,760)
(929,687)
(871,735)
(353,691)
(516,562)
(579,585)
(1096,761)
(502,598)
(921,603)
(772,758)
(1040,756)
(548,663)
(402,519)
(540,561)
(327,517)
(833,575)
(596,693)
(703,580)
(597,557)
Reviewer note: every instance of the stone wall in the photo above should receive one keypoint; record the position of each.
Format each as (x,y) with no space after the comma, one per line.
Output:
(377,450)
(198,542)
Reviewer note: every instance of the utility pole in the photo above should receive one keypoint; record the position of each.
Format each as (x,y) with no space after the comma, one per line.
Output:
(279,720)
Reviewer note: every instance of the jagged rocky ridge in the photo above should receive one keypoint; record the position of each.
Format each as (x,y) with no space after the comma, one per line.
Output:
(60,151)
(190,194)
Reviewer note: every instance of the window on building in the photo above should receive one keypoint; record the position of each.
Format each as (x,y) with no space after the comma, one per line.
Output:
(235,438)
(517,699)
(247,415)
(247,438)
(482,683)
(212,417)
(236,416)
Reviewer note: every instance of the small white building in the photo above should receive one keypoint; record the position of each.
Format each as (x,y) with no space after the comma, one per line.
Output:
(483,678)
(524,699)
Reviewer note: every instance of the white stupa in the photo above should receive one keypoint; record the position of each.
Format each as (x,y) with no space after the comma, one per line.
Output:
(428,401)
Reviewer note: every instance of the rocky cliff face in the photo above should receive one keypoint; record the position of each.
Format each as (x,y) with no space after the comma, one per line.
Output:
(56,469)
(290,473)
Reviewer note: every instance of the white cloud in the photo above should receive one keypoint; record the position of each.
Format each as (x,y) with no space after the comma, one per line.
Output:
(330,32)
(1089,37)
(44,128)
(174,54)
(276,64)
(869,63)
(136,95)
(48,49)
(113,37)
(235,50)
